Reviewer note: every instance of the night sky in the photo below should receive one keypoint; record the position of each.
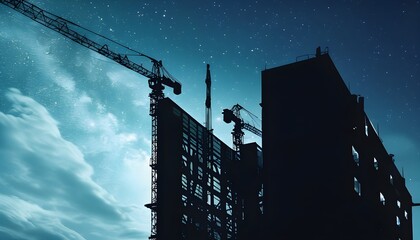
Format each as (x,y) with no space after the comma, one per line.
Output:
(75,129)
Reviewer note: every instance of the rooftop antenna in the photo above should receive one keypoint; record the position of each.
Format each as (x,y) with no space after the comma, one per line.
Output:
(318,52)
(208,99)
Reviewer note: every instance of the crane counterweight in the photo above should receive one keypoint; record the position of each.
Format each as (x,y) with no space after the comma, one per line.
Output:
(234,115)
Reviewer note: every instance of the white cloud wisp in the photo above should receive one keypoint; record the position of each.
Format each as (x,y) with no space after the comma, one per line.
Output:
(46,186)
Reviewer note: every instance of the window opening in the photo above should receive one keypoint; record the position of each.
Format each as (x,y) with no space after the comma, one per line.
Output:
(366,128)
(355,155)
(357,186)
(382,198)
(375,163)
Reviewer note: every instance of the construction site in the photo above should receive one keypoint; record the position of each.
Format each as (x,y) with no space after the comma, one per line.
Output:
(322,171)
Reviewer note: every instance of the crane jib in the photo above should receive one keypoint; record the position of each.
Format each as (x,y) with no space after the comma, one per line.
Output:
(63,27)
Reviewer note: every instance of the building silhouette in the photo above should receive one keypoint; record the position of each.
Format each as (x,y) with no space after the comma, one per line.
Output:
(326,173)
(206,190)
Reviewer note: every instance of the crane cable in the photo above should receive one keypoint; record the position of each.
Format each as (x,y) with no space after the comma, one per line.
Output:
(104,37)
(119,44)
(252,116)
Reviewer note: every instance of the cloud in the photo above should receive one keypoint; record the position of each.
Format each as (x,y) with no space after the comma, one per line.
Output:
(23,220)
(92,99)
(93,106)
(131,84)
(35,50)
(46,186)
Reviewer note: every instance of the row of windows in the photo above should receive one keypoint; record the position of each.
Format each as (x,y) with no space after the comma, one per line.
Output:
(375,162)
(357,159)
(358,190)
(357,185)
(382,200)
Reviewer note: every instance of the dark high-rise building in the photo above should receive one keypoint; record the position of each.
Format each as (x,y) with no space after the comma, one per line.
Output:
(326,172)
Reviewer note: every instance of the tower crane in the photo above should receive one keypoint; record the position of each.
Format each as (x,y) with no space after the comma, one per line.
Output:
(234,115)
(156,75)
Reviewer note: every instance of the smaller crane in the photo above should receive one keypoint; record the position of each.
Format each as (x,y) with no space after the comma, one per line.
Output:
(234,115)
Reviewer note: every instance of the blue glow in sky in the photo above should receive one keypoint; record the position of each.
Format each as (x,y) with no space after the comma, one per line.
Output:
(75,127)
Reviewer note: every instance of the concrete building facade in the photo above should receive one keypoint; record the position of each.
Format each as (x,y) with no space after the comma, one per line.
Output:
(326,174)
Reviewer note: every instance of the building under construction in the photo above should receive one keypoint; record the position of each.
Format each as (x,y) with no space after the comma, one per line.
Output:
(205,190)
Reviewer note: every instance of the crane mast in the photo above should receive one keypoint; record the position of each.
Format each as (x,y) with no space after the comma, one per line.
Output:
(234,115)
(156,76)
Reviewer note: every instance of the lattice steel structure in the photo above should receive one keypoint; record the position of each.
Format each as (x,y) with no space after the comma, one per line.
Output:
(200,188)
